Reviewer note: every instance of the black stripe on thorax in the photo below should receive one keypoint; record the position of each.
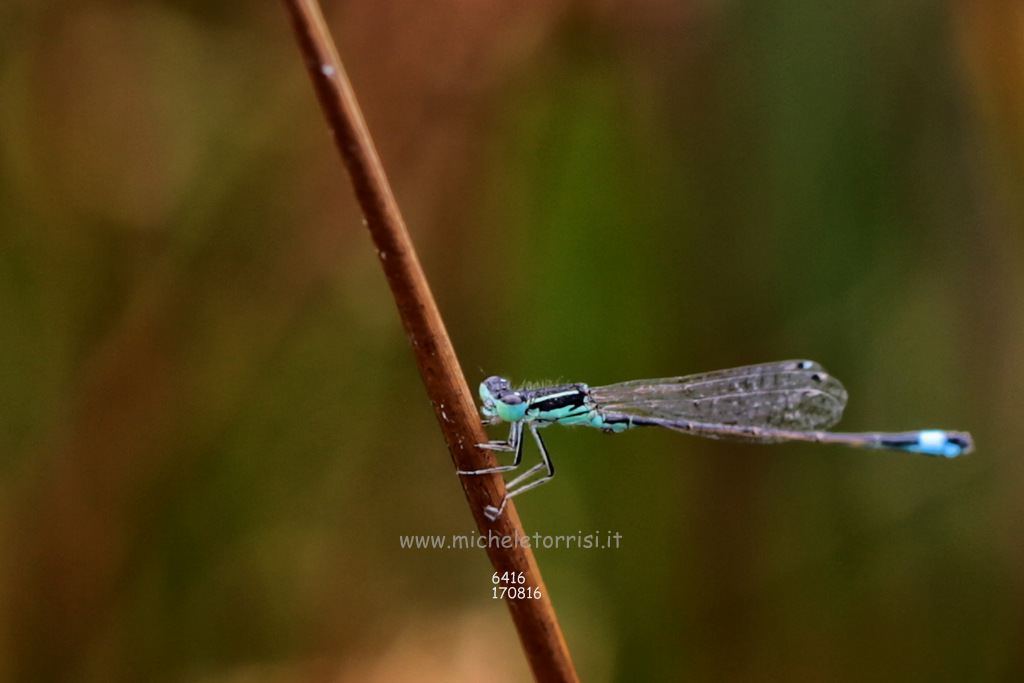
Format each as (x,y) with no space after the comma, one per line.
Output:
(556,398)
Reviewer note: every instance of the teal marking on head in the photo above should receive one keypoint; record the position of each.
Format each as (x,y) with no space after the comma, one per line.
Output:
(500,402)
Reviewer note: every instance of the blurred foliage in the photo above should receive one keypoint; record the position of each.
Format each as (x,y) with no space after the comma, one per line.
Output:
(212,433)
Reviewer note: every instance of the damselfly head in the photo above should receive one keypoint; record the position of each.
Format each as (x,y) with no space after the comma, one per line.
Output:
(500,401)
(488,408)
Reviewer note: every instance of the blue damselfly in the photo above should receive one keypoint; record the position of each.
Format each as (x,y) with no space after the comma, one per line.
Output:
(786,401)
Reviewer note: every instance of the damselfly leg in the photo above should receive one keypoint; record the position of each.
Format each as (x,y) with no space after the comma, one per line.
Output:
(514,444)
(522,482)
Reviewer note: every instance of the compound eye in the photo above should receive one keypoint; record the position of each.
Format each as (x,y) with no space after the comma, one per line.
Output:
(496,384)
(512,399)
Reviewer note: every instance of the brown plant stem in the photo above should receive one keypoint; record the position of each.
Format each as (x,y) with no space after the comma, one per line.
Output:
(534,619)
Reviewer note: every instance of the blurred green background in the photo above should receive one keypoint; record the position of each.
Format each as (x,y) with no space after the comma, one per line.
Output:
(212,432)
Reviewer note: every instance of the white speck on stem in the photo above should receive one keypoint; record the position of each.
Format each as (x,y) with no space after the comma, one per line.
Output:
(327,70)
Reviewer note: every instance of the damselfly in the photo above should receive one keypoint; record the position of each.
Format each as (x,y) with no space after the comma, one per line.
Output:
(787,401)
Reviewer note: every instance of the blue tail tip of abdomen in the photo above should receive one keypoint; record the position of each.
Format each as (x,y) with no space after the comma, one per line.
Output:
(941,443)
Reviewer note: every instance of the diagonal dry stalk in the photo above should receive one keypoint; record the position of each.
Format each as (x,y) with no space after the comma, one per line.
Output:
(534,619)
